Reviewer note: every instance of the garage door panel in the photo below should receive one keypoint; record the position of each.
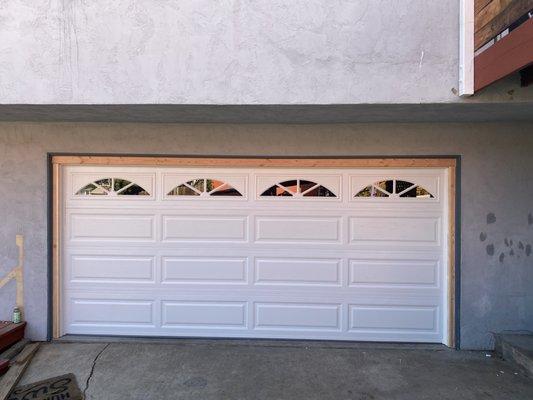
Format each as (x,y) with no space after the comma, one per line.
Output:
(287,229)
(205,228)
(298,271)
(104,227)
(204,270)
(210,315)
(394,272)
(277,266)
(112,269)
(297,316)
(393,318)
(111,312)
(396,230)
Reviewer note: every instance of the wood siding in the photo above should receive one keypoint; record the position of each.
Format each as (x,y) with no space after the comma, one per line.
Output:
(505,57)
(494,16)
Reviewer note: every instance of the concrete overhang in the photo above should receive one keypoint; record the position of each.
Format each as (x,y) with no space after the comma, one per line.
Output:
(291,114)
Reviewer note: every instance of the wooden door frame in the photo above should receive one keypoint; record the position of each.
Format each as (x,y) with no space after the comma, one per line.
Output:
(56,162)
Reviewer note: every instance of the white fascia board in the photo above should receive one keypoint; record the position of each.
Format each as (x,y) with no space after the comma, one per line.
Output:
(466,48)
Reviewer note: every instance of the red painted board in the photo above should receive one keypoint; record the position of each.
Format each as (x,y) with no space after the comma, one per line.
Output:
(4,366)
(508,55)
(10,333)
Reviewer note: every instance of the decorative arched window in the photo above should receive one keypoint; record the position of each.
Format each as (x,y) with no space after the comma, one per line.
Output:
(204,187)
(298,188)
(112,187)
(394,188)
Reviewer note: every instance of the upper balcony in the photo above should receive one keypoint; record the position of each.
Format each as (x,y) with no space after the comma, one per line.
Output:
(503,41)
(244,52)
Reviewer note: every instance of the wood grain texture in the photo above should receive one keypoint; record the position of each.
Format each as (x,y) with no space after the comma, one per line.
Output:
(452,189)
(56,251)
(511,54)
(10,333)
(17,274)
(480,5)
(256,162)
(490,11)
(17,367)
(496,16)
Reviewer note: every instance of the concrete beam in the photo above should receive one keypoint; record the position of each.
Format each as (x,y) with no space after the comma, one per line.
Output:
(298,114)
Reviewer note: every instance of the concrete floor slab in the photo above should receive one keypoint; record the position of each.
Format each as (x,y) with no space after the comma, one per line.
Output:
(190,369)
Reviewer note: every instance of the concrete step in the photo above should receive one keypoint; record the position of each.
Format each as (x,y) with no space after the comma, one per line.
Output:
(516,348)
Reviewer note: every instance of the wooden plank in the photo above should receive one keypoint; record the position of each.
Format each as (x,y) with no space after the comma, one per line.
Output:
(4,366)
(480,5)
(11,333)
(56,251)
(505,57)
(19,240)
(17,274)
(491,11)
(14,350)
(452,189)
(498,16)
(257,162)
(17,367)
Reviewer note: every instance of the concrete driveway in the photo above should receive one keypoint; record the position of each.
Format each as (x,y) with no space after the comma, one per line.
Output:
(227,369)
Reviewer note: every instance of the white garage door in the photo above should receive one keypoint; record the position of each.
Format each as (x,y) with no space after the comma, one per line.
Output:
(347,254)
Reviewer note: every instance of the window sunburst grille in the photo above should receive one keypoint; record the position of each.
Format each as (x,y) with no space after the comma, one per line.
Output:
(394,188)
(112,187)
(297,188)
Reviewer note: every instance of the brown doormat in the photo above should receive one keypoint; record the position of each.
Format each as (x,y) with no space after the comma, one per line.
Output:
(58,388)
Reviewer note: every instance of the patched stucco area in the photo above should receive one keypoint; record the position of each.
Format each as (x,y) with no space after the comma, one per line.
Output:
(495,196)
(229,52)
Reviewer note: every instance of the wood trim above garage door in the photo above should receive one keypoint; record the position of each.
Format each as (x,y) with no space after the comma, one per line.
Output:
(257,162)
(57,161)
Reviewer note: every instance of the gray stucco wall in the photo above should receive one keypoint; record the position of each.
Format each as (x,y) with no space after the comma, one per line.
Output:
(232,52)
(497,165)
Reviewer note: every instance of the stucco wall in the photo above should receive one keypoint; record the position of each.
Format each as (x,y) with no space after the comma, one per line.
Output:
(497,160)
(232,52)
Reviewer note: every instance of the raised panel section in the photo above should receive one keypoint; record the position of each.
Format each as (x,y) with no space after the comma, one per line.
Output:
(297,316)
(111,312)
(204,228)
(112,268)
(298,229)
(111,227)
(204,270)
(204,314)
(393,272)
(297,271)
(394,229)
(393,318)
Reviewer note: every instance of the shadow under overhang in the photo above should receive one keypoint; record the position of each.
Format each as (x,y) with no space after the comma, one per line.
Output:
(264,114)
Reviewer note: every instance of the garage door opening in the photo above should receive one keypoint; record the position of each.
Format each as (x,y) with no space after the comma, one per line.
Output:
(295,249)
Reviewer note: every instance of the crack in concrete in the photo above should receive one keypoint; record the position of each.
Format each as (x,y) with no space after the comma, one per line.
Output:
(88,380)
